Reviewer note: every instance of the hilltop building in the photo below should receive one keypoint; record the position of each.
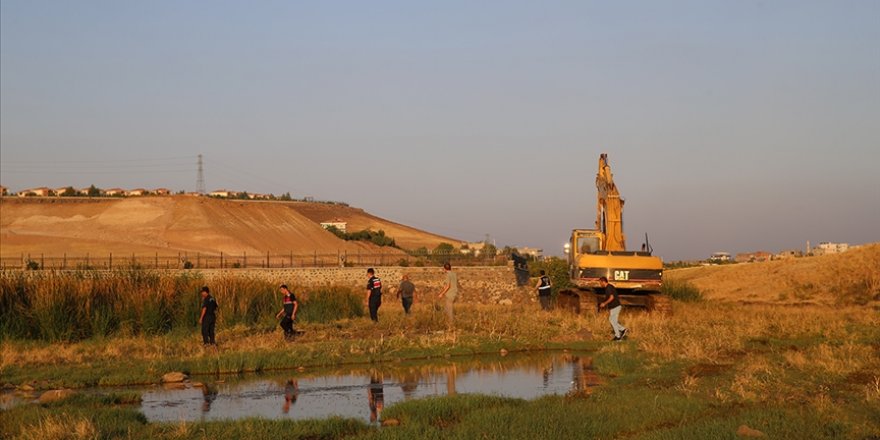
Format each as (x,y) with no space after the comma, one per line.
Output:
(36,192)
(720,257)
(826,248)
(3,190)
(751,257)
(339,224)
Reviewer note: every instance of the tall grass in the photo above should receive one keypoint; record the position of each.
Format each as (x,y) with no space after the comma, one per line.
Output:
(71,306)
(682,291)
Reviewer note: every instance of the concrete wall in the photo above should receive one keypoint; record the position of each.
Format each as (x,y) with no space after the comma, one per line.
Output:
(484,285)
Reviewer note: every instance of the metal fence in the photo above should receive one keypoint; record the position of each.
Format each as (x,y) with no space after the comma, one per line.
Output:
(186,260)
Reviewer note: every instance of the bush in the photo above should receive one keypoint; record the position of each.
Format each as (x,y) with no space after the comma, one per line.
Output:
(682,291)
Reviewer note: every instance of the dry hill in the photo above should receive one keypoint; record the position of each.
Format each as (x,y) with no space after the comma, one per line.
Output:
(167,225)
(850,277)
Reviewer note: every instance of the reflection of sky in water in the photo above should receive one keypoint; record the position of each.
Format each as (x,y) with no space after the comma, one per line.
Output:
(349,394)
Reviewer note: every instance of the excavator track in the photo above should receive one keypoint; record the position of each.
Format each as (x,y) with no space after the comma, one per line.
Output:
(660,303)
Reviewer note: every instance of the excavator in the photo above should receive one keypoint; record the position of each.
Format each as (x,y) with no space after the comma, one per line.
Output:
(601,252)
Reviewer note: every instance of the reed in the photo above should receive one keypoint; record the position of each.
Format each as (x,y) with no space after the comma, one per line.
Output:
(72,306)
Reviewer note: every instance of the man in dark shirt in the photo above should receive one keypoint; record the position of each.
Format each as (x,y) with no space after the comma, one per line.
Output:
(374,294)
(612,302)
(544,288)
(405,292)
(208,318)
(289,306)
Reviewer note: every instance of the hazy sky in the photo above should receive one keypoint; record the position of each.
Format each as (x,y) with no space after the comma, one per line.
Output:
(730,125)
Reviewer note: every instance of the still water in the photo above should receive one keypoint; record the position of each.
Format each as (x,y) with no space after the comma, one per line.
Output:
(363,391)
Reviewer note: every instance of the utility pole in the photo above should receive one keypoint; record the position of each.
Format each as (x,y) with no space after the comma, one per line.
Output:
(200,182)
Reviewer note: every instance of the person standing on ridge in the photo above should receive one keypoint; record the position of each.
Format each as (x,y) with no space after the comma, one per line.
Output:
(208,318)
(544,289)
(289,307)
(374,294)
(612,302)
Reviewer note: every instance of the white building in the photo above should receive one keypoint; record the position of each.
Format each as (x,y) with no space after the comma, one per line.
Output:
(719,257)
(339,224)
(827,247)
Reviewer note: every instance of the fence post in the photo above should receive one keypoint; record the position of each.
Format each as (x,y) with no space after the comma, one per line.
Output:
(198,260)
(221,260)
(267,259)
(64,262)
(110,262)
(315,261)
(42,262)
(156,264)
(244,266)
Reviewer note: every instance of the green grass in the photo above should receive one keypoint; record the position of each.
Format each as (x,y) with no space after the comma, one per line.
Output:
(682,291)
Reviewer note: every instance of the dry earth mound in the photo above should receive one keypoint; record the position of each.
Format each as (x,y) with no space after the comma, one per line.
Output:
(166,225)
(847,278)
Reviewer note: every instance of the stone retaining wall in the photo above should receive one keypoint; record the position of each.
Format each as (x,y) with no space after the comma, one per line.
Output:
(485,285)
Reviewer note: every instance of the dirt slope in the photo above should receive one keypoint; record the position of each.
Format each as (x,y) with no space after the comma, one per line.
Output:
(54,226)
(853,276)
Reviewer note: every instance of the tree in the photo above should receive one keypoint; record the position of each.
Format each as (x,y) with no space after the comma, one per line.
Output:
(68,192)
(94,191)
(444,249)
(286,197)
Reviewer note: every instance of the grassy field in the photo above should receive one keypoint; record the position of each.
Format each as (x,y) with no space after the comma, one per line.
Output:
(791,372)
(801,372)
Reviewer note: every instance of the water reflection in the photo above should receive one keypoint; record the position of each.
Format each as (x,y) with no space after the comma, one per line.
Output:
(342,392)
(376,396)
(291,391)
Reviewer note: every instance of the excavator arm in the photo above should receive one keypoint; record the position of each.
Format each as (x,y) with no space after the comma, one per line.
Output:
(609,208)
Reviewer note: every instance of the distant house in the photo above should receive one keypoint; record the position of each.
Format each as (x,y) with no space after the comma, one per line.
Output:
(720,257)
(787,254)
(162,192)
(36,192)
(826,248)
(114,192)
(534,252)
(255,196)
(3,190)
(472,248)
(339,224)
(223,193)
(751,257)
(85,191)
(137,192)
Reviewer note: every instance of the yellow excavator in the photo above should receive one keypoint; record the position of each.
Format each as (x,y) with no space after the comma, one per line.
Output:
(601,252)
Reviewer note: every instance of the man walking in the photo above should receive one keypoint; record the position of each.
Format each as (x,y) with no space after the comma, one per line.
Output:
(208,318)
(405,293)
(544,289)
(289,306)
(612,302)
(450,290)
(374,294)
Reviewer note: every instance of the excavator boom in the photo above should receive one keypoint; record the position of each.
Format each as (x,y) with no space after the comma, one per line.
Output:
(609,208)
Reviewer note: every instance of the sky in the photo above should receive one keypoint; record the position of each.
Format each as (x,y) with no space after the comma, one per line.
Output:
(730,125)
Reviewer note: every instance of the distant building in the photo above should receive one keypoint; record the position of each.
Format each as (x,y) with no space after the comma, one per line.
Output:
(137,192)
(472,248)
(3,190)
(787,254)
(114,192)
(720,257)
(826,248)
(751,257)
(339,224)
(36,192)
(534,252)
(223,193)
(162,192)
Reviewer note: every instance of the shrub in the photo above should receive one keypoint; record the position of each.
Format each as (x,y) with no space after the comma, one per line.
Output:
(682,291)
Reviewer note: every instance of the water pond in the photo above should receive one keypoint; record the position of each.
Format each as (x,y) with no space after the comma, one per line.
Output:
(362,391)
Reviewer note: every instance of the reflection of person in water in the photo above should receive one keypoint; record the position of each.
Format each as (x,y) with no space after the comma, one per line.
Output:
(291,392)
(546,375)
(451,372)
(209,393)
(376,397)
(408,385)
